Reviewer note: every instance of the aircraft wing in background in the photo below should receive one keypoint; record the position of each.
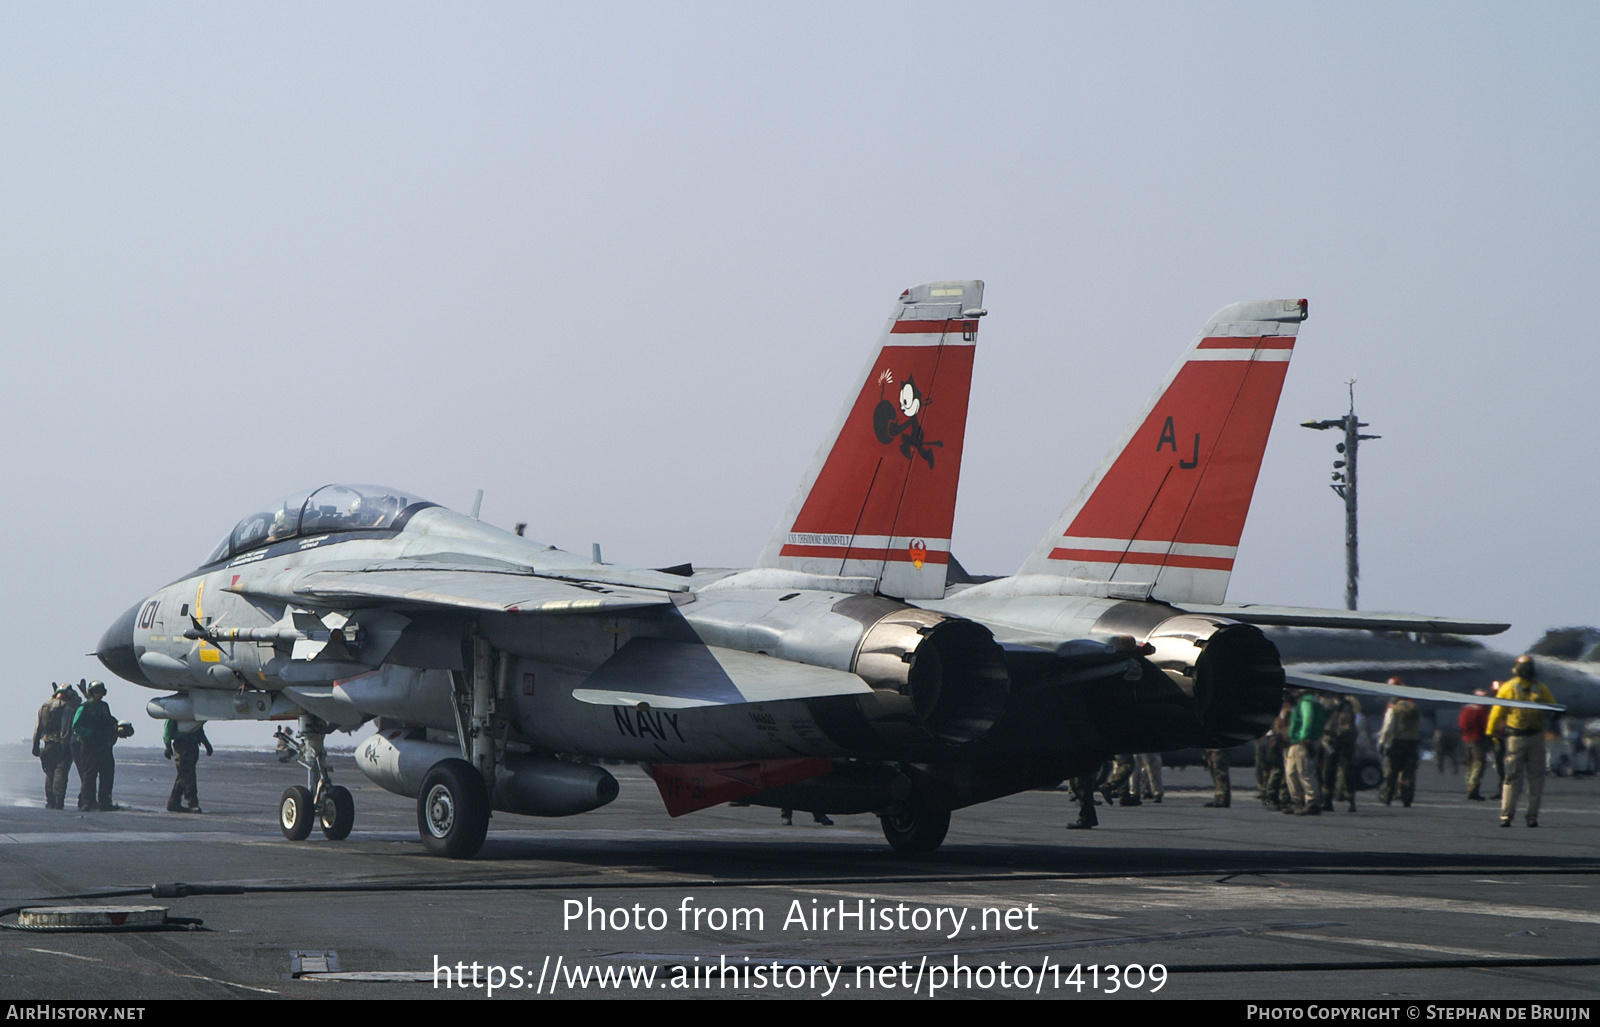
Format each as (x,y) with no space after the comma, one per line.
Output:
(1312,617)
(1327,683)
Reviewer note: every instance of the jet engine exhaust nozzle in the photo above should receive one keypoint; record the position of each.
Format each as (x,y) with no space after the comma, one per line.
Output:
(951,669)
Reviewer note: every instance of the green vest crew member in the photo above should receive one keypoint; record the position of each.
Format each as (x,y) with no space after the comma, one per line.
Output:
(96,730)
(1300,762)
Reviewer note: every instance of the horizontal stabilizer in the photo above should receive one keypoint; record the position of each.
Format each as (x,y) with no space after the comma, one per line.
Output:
(462,589)
(1349,686)
(1312,617)
(677,675)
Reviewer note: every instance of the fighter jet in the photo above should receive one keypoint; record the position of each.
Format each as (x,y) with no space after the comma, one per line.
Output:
(490,659)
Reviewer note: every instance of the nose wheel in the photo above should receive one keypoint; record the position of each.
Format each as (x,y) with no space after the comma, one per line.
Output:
(324,804)
(294,813)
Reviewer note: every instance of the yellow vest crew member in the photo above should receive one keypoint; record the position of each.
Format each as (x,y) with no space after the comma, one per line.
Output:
(1523,731)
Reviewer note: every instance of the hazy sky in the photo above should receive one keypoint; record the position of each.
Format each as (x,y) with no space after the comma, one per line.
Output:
(617,264)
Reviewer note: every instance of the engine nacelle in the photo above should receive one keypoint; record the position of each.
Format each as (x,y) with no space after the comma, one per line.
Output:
(534,786)
(1231,670)
(938,680)
(950,670)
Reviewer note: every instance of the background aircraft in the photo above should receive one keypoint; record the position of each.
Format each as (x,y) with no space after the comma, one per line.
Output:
(1447,662)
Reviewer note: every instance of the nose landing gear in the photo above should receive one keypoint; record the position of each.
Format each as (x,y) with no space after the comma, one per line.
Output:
(322,804)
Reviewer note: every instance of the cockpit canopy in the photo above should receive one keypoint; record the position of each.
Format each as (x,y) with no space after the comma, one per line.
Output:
(316,512)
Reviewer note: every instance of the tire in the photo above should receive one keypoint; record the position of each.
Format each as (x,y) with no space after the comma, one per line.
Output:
(453,810)
(295,814)
(914,827)
(1369,774)
(338,814)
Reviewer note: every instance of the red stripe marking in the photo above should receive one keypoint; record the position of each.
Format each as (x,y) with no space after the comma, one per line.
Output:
(841,553)
(1208,563)
(933,327)
(1247,342)
(686,787)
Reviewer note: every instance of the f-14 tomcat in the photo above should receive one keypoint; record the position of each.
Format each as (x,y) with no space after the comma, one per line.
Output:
(808,681)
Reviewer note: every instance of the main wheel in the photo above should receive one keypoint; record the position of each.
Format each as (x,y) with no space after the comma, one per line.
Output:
(295,813)
(913,826)
(1369,774)
(338,814)
(453,810)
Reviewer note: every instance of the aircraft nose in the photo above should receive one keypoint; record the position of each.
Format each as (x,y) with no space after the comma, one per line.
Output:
(116,648)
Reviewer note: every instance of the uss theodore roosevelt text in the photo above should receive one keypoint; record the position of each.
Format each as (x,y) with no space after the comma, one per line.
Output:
(818,916)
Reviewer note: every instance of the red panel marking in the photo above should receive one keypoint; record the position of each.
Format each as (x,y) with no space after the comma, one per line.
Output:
(1265,342)
(1208,563)
(841,553)
(932,327)
(1149,494)
(686,787)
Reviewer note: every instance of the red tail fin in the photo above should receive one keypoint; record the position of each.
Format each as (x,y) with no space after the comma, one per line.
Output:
(1164,513)
(880,497)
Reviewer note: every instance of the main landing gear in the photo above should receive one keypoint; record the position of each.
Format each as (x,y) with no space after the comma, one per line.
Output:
(323,804)
(453,810)
(453,804)
(913,826)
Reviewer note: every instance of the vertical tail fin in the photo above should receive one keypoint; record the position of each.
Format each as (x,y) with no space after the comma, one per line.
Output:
(1162,516)
(880,497)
